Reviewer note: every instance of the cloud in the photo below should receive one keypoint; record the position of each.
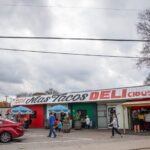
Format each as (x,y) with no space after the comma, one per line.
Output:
(33,72)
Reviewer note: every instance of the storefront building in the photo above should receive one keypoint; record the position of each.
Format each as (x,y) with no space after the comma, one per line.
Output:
(4,109)
(97,104)
(38,115)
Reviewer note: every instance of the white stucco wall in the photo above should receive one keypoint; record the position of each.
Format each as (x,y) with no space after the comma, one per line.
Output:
(119,112)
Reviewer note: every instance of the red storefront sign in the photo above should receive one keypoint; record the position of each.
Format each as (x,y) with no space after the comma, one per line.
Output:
(98,95)
(108,94)
(123,94)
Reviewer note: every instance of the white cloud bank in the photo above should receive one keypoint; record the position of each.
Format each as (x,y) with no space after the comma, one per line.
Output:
(31,72)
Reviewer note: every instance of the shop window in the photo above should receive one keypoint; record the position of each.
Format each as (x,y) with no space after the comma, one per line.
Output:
(101,113)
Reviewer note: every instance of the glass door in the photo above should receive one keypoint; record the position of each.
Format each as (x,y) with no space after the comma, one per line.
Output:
(110,110)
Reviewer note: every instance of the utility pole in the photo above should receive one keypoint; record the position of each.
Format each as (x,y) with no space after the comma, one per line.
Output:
(6,98)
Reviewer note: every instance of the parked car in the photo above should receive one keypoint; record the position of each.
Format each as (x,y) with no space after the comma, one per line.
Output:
(10,130)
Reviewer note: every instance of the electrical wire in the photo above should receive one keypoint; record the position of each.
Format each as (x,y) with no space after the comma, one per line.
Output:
(67,7)
(73,54)
(71,38)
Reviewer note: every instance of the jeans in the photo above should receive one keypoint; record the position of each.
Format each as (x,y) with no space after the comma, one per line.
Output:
(52,131)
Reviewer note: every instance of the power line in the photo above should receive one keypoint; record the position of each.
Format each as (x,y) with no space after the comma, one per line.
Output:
(67,7)
(74,54)
(70,38)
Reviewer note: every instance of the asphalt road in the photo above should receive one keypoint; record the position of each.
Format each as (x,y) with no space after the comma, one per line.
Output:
(36,139)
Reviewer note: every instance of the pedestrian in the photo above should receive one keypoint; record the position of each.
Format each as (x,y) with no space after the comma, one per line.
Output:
(87,120)
(51,125)
(30,121)
(70,120)
(141,121)
(59,126)
(135,121)
(115,125)
(56,124)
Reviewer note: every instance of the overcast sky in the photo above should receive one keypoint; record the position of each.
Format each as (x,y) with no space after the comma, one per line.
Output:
(34,72)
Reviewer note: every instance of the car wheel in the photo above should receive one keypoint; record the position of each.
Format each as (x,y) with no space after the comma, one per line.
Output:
(5,137)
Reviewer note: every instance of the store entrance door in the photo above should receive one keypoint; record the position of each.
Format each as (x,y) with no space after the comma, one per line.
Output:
(85,109)
(102,116)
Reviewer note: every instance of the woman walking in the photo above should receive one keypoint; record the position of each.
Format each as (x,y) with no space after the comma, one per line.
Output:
(115,125)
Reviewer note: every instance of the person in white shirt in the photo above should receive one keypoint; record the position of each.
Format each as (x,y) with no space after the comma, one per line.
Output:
(115,125)
(87,122)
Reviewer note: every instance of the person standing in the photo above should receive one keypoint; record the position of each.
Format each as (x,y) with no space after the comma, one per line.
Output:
(56,124)
(141,121)
(135,121)
(70,120)
(59,126)
(51,125)
(87,120)
(115,126)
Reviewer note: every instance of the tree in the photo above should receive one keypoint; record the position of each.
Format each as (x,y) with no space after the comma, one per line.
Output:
(143,28)
(24,94)
(52,92)
(38,94)
(147,81)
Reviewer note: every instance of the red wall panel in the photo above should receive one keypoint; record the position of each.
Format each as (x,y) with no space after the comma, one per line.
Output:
(37,122)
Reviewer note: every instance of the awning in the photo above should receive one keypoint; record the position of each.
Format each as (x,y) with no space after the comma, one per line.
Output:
(137,103)
(133,104)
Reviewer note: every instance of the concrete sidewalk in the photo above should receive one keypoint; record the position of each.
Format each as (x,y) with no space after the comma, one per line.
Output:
(92,139)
